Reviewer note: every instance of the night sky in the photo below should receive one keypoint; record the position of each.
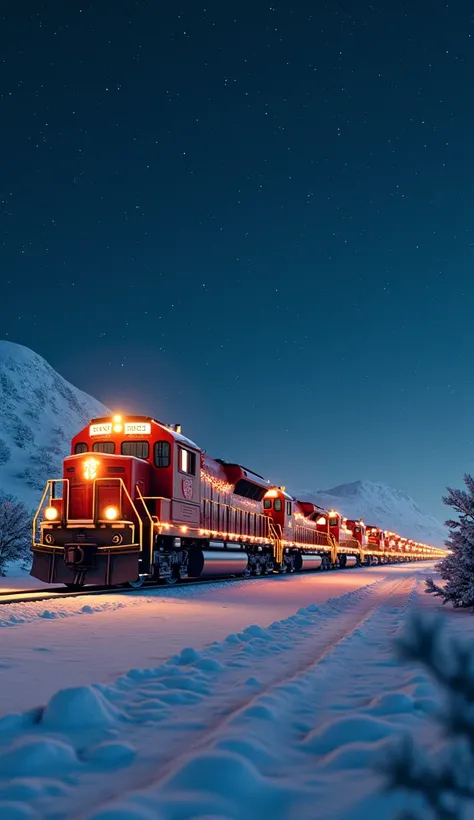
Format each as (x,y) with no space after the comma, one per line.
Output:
(253,219)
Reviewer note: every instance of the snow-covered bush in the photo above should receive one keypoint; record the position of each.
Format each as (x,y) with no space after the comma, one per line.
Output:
(15,531)
(445,782)
(457,569)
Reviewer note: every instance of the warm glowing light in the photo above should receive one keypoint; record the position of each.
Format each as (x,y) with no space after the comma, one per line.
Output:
(51,513)
(271,494)
(321,520)
(184,529)
(117,419)
(217,483)
(90,469)
(111,513)
(118,428)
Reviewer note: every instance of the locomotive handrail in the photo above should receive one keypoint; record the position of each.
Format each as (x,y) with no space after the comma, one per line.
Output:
(142,499)
(255,516)
(321,538)
(129,498)
(64,513)
(277,540)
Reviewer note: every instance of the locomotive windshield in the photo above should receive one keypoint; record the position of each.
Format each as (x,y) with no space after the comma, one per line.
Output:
(103,447)
(139,449)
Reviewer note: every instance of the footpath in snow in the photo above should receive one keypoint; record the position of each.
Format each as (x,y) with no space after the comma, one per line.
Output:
(286,721)
(94,639)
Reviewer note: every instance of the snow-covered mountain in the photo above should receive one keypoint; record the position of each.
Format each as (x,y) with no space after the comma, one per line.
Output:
(381,505)
(39,413)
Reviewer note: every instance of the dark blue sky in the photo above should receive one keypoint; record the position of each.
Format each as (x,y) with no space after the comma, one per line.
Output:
(254,219)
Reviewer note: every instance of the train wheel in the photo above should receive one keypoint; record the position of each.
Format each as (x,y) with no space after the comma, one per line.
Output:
(136,584)
(171,579)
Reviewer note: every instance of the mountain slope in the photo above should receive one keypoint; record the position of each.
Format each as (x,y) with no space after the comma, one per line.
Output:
(39,413)
(381,505)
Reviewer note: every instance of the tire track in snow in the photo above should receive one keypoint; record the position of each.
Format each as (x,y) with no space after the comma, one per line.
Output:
(324,645)
(193,713)
(315,743)
(298,643)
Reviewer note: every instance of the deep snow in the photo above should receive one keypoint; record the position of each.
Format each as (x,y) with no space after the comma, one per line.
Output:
(285,717)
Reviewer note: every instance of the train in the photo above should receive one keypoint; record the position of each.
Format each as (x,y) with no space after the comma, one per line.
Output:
(138,502)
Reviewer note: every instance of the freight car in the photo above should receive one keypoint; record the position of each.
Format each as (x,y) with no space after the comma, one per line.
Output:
(139,501)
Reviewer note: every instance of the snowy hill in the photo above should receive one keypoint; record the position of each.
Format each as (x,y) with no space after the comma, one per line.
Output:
(381,505)
(39,413)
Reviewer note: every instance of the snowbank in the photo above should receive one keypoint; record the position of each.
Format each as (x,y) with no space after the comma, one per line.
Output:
(270,721)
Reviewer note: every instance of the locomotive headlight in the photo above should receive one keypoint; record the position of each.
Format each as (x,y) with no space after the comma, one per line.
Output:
(118,428)
(90,467)
(51,513)
(111,513)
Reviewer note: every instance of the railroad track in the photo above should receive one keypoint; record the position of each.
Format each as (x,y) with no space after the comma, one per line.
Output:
(22,596)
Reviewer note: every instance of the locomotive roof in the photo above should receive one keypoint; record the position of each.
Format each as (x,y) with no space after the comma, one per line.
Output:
(251,474)
(169,429)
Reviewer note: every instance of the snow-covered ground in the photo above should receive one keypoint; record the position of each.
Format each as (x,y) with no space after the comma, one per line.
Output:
(266,698)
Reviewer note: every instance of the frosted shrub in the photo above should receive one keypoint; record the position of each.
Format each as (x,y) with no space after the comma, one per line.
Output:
(445,782)
(15,531)
(457,569)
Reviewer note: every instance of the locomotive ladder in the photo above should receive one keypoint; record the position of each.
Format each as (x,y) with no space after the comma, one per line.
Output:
(275,537)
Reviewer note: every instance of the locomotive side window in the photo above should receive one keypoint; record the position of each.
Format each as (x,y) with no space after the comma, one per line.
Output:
(267,503)
(162,454)
(248,490)
(103,447)
(333,522)
(187,461)
(81,447)
(277,504)
(288,507)
(139,449)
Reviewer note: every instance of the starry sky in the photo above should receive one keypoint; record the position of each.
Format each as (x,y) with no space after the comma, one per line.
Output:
(253,219)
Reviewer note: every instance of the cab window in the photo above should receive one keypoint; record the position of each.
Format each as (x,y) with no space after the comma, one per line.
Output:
(162,454)
(187,461)
(277,504)
(139,449)
(288,507)
(333,522)
(81,447)
(267,503)
(103,447)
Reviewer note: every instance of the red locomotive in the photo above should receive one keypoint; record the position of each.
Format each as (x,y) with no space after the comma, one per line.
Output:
(139,501)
